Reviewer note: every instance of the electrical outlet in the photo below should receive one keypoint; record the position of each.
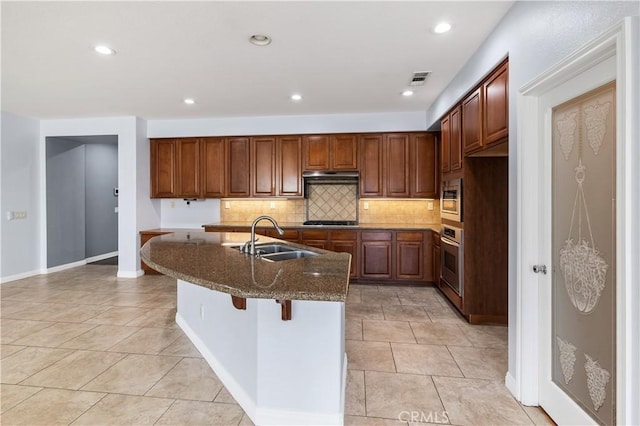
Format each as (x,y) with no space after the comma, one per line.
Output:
(172,204)
(115,209)
(272,204)
(201,312)
(366,205)
(430,205)
(227,205)
(19,215)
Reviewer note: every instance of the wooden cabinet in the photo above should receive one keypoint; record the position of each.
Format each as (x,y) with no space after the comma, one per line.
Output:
(396,165)
(163,168)
(496,106)
(238,176)
(435,240)
(315,238)
(346,242)
(376,254)
(144,237)
(263,166)
(451,150)
(213,167)
(424,171)
(472,138)
(330,152)
(371,160)
(188,168)
(289,166)
(410,255)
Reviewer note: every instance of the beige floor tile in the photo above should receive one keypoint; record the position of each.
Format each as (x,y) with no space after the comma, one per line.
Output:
(182,347)
(353,329)
(12,329)
(43,311)
(371,421)
(369,356)
(397,289)
(118,315)
(354,402)
(387,331)
(392,395)
(486,336)
(424,359)
(405,313)
(12,395)
(479,402)
(133,375)
(201,413)
(429,333)
(353,296)
(538,416)
(55,335)
(156,317)
(29,361)
(81,297)
(131,299)
(51,407)
(8,350)
(225,397)
(148,341)
(382,298)
(125,410)
(78,313)
(246,421)
(75,370)
(362,311)
(445,315)
(10,307)
(100,338)
(191,378)
(427,300)
(162,301)
(480,363)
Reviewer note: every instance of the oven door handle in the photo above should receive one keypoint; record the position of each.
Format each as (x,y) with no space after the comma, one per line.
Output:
(449,242)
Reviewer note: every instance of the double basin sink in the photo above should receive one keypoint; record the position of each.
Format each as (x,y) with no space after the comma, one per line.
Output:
(278,252)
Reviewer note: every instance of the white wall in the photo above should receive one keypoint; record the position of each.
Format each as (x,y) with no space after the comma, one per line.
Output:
(20,177)
(535,36)
(177,214)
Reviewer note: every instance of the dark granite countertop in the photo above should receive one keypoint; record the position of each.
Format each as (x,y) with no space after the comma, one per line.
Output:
(209,259)
(362,226)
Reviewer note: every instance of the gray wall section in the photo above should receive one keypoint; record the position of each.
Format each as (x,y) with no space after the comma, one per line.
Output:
(65,202)
(535,36)
(101,172)
(81,221)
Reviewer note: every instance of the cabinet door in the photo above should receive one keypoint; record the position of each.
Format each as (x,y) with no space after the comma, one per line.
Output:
(376,259)
(456,139)
(213,167)
(188,168)
(445,144)
(163,168)
(496,106)
(436,264)
(289,166)
(263,166)
(316,150)
(472,122)
(397,165)
(371,153)
(238,167)
(409,255)
(346,242)
(424,166)
(344,152)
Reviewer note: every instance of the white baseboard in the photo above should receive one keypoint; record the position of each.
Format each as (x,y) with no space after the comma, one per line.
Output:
(65,266)
(511,384)
(20,276)
(101,257)
(130,274)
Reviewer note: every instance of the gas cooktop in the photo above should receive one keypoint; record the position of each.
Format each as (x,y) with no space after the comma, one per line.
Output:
(331,222)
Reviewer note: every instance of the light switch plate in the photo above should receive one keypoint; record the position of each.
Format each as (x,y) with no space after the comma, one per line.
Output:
(227,205)
(430,205)
(366,205)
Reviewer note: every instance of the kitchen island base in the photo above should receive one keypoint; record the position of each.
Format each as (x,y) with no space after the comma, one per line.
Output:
(280,372)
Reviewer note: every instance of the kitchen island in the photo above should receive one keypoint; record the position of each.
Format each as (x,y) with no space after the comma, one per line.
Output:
(273,332)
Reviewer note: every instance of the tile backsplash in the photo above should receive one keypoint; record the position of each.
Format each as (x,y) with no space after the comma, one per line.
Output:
(414,212)
(333,202)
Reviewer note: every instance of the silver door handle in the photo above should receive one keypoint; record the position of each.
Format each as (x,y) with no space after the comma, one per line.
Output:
(540,269)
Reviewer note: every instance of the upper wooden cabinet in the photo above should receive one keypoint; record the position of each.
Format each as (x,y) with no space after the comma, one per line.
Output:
(451,150)
(424,166)
(188,168)
(238,176)
(330,152)
(213,167)
(289,166)
(496,105)
(163,168)
(472,138)
(263,166)
(396,165)
(371,160)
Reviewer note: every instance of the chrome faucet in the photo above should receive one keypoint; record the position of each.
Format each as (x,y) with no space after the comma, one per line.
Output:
(250,246)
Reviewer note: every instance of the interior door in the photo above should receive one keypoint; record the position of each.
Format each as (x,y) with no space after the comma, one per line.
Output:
(578,316)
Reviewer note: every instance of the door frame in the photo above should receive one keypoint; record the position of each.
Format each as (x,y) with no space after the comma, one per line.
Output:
(620,42)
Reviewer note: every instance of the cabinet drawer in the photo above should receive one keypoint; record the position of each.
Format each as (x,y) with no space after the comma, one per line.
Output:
(409,236)
(344,235)
(289,234)
(435,238)
(376,236)
(314,234)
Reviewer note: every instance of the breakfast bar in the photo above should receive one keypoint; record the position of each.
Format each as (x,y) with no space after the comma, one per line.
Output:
(273,331)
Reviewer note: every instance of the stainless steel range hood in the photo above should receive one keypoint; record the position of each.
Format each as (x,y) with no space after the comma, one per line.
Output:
(328,178)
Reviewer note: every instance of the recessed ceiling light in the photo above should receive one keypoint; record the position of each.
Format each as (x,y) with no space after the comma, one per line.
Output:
(407,93)
(442,27)
(260,39)
(189,101)
(104,50)
(296,97)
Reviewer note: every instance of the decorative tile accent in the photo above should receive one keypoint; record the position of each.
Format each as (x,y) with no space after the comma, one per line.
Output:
(333,202)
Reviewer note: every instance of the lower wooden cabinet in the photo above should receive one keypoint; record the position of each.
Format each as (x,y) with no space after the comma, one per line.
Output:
(346,242)
(144,237)
(410,256)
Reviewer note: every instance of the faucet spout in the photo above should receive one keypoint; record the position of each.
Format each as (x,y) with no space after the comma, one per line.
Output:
(252,243)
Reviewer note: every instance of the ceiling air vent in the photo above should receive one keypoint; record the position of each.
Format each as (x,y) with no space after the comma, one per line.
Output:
(419,78)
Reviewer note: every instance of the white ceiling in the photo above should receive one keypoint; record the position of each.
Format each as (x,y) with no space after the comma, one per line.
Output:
(343,57)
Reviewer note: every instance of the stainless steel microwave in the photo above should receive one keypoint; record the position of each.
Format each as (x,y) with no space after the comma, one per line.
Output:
(451,200)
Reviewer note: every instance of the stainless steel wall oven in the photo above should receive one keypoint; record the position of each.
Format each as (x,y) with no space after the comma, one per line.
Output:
(451,200)
(452,258)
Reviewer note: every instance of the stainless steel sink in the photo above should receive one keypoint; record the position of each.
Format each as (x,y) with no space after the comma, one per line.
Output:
(262,249)
(288,255)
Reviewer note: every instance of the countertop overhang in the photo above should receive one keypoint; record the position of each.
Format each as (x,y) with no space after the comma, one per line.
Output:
(210,260)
